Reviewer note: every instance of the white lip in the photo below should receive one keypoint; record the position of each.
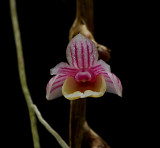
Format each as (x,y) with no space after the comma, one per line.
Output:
(87,93)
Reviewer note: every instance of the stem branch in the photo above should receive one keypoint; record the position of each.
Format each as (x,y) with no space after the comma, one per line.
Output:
(33,110)
(49,128)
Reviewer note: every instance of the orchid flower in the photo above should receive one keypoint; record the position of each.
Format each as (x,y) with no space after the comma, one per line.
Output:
(84,76)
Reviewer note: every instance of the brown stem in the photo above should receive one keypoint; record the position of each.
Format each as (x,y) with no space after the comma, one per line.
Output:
(80,134)
(92,139)
(84,24)
(77,120)
(85,12)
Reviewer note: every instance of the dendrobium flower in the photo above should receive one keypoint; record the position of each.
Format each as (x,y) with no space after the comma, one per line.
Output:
(84,76)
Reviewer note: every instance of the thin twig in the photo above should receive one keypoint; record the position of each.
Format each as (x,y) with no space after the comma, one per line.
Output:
(49,128)
(22,74)
(33,111)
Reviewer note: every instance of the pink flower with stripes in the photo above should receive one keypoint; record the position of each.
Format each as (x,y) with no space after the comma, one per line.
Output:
(84,76)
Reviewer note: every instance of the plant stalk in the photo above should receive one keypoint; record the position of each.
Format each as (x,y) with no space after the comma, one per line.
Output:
(22,75)
(84,19)
(80,134)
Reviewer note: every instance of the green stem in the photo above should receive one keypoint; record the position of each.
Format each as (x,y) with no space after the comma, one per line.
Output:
(22,74)
(48,127)
(33,110)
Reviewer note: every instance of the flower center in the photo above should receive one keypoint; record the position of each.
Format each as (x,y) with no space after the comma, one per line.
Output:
(85,75)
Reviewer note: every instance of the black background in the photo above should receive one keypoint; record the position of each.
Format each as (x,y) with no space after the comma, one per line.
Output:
(44,29)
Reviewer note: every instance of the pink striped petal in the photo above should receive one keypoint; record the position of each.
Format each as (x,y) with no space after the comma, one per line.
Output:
(104,65)
(54,87)
(113,84)
(101,67)
(63,68)
(81,52)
